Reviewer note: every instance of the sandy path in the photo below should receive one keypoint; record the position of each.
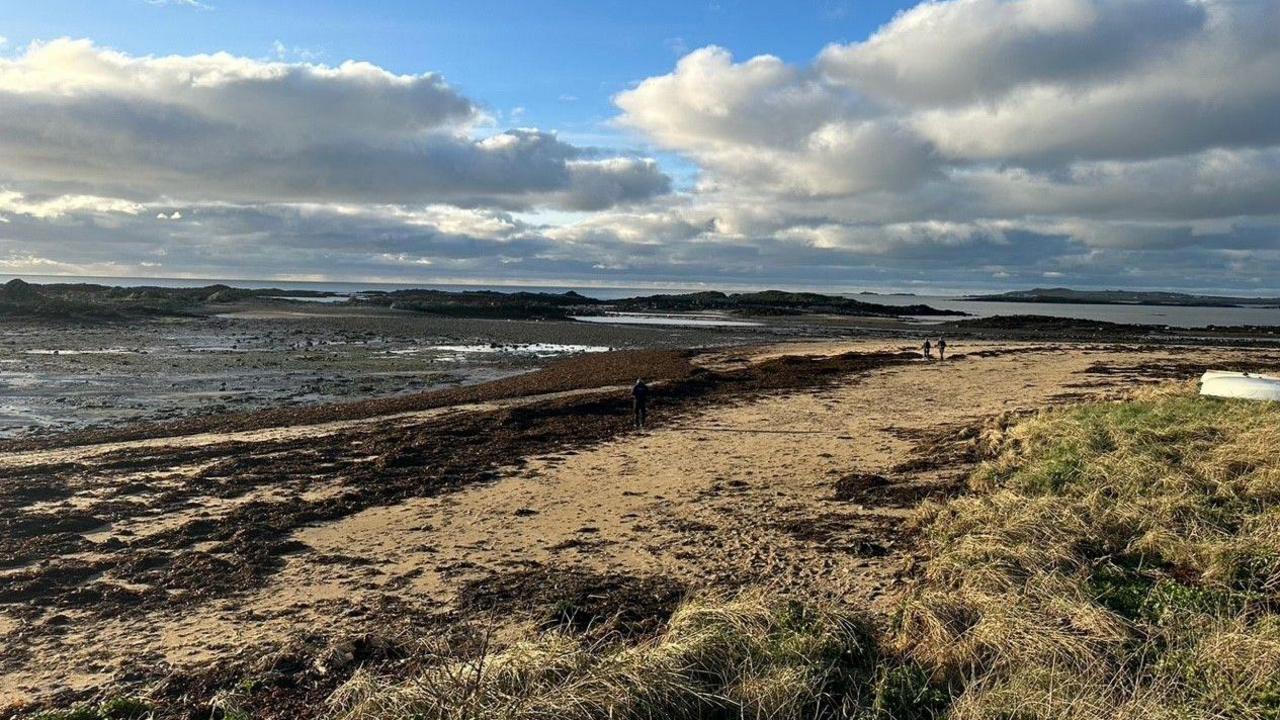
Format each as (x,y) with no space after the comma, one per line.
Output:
(730,495)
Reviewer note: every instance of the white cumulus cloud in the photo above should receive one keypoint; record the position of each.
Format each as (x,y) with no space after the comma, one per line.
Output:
(86,119)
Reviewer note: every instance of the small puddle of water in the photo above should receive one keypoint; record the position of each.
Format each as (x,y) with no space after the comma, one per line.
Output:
(535,349)
(682,321)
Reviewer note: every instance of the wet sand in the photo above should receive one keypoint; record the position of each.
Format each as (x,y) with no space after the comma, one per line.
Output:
(193,555)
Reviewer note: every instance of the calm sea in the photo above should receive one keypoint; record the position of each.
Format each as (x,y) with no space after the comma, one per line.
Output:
(1185,317)
(1182,317)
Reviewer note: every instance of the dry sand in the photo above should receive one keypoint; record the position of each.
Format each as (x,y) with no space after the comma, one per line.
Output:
(744,493)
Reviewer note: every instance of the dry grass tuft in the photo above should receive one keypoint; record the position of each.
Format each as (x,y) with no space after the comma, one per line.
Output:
(749,657)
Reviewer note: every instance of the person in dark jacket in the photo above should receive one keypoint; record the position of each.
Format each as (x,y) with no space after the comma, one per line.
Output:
(942,348)
(639,398)
(927,350)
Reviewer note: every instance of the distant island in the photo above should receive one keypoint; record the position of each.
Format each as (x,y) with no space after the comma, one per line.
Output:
(561,306)
(1125,297)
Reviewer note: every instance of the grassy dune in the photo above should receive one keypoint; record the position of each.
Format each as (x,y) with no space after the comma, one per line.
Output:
(1117,560)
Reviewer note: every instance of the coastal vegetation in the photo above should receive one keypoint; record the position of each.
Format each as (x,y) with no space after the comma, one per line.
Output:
(748,657)
(1114,560)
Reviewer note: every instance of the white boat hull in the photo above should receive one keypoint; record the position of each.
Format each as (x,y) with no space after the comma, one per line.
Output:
(1246,386)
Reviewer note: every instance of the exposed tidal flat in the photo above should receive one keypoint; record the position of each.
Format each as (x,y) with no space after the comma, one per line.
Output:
(60,376)
(80,356)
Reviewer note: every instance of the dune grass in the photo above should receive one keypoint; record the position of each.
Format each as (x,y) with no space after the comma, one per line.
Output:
(749,657)
(1116,560)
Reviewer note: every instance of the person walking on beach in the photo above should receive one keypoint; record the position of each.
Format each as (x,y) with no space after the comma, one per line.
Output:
(928,350)
(639,398)
(942,348)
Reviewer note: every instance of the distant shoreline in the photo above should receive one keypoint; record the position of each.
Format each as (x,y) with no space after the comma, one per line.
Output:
(19,298)
(1066,296)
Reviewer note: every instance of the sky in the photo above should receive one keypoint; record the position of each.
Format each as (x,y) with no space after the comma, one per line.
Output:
(832,144)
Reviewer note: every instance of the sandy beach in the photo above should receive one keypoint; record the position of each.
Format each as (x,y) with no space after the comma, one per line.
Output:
(171,561)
